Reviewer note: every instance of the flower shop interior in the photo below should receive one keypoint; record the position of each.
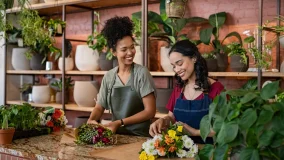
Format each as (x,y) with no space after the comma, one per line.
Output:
(242,42)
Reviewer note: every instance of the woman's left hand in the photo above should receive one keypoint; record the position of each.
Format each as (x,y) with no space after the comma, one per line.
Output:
(113,126)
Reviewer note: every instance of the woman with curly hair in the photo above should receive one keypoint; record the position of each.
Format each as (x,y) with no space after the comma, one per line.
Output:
(194,91)
(128,90)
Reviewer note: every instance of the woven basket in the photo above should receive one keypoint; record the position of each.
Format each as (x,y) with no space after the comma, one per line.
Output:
(175,8)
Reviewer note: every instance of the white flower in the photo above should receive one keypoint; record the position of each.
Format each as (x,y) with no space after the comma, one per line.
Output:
(189,155)
(194,149)
(48,118)
(181,153)
(161,154)
(184,137)
(159,137)
(144,145)
(150,144)
(42,122)
(151,151)
(188,143)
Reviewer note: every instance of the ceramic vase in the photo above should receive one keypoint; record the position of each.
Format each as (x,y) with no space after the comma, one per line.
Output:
(86,59)
(211,65)
(222,62)
(236,64)
(104,63)
(19,60)
(36,62)
(85,93)
(69,64)
(165,61)
(138,59)
(41,94)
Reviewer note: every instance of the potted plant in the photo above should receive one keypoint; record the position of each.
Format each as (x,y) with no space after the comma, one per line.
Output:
(239,58)
(55,27)
(69,61)
(278,29)
(6,132)
(211,61)
(175,8)
(25,90)
(37,38)
(58,86)
(247,125)
(216,21)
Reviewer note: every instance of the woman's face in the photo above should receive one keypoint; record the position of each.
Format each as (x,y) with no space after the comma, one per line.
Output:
(125,50)
(183,66)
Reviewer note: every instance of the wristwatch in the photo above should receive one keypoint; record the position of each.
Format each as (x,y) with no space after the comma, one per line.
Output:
(122,124)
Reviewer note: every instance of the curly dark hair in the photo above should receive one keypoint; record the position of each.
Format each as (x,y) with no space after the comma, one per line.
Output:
(115,29)
(187,48)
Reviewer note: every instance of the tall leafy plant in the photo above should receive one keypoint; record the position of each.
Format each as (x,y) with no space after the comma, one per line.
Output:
(247,124)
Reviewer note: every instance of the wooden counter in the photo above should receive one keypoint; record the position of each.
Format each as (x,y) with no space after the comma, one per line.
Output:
(61,146)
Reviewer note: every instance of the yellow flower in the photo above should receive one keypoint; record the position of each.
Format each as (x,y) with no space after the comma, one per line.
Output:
(143,156)
(172,133)
(151,157)
(177,138)
(180,128)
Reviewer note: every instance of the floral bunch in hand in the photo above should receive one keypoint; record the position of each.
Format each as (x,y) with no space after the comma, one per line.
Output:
(54,118)
(94,134)
(172,143)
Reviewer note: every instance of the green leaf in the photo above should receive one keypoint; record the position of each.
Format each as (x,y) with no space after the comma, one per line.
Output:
(249,154)
(205,35)
(163,7)
(266,138)
(265,116)
(237,141)
(248,97)
(212,107)
(228,132)
(250,85)
(249,39)
(233,114)
(251,138)
(206,152)
(269,90)
(237,92)
(277,141)
(204,127)
(277,123)
(248,118)
(221,152)
(222,105)
(217,19)
(234,34)
(218,124)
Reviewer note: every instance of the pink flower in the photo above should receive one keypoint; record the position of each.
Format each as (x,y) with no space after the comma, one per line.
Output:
(100,131)
(105,140)
(96,139)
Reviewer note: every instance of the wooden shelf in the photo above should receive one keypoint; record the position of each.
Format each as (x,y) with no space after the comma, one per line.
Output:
(77,6)
(55,105)
(33,72)
(86,72)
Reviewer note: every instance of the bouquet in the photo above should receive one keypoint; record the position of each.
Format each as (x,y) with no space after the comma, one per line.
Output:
(172,143)
(94,134)
(54,118)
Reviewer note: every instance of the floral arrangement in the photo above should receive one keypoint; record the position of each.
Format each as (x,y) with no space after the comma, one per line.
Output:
(94,134)
(172,143)
(54,118)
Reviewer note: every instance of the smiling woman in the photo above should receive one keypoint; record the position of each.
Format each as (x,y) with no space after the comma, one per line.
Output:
(127,90)
(193,93)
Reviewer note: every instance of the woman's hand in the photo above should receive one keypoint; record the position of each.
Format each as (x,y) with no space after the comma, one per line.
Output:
(157,127)
(113,126)
(189,129)
(90,121)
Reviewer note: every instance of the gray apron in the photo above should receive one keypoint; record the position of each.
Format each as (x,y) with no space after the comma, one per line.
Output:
(125,102)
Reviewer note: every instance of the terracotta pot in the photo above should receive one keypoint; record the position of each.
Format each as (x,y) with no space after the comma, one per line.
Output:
(165,61)
(85,93)
(211,65)
(41,94)
(35,62)
(58,97)
(236,64)
(222,62)
(86,59)
(80,120)
(138,59)
(104,63)
(19,60)
(69,64)
(6,135)
(163,95)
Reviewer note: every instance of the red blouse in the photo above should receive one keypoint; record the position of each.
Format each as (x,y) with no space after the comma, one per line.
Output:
(215,90)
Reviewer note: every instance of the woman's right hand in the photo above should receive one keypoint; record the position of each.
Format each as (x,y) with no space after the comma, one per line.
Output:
(157,127)
(90,121)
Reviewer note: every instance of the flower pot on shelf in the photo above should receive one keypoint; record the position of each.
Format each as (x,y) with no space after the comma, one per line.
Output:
(36,62)
(19,60)
(6,135)
(211,65)
(165,61)
(69,64)
(86,59)
(222,62)
(58,97)
(41,94)
(104,63)
(85,93)
(236,64)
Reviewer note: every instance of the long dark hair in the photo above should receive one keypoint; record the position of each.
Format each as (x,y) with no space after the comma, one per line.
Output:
(187,48)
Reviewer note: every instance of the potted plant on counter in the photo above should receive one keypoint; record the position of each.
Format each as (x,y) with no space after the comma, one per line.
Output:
(239,58)
(58,86)
(247,125)
(6,132)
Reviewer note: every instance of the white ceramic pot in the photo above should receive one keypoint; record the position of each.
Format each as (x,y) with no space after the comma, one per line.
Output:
(69,64)
(165,61)
(41,94)
(86,59)
(138,56)
(85,93)
(19,60)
